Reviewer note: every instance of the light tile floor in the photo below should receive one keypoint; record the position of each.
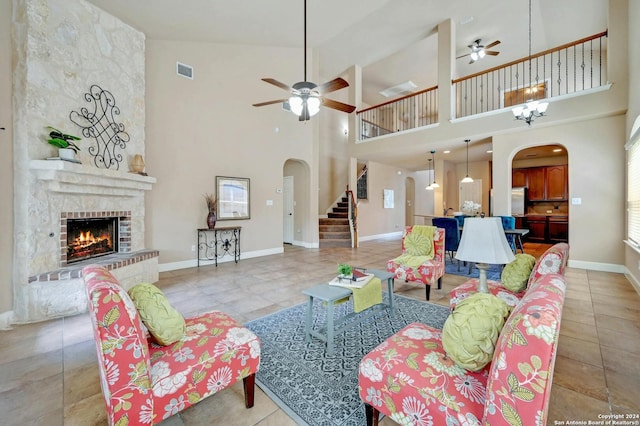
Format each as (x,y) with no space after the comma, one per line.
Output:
(49,374)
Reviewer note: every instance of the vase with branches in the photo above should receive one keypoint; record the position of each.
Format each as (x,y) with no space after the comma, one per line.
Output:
(212,205)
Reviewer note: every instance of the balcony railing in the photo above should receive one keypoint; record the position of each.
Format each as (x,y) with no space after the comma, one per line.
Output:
(570,68)
(415,110)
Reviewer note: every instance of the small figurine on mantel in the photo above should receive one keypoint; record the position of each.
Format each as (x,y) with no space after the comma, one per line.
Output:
(137,165)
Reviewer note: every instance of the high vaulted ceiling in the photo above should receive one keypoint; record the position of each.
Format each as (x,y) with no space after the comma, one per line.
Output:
(394,41)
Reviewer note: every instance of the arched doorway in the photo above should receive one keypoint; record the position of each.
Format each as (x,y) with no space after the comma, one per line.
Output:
(295,203)
(540,192)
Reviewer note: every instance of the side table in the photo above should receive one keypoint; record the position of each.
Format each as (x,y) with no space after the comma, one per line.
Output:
(225,240)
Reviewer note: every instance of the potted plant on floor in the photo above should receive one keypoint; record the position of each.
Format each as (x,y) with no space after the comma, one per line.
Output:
(67,149)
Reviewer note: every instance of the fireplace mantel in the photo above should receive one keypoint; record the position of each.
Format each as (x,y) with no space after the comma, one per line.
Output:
(71,178)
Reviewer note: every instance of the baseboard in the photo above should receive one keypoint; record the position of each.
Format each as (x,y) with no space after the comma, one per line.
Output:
(305,244)
(6,319)
(374,237)
(596,266)
(634,282)
(193,263)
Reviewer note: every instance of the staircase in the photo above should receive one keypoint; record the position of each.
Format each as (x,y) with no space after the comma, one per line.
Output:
(335,230)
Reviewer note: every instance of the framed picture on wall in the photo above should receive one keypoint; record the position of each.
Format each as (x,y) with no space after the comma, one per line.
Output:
(233,198)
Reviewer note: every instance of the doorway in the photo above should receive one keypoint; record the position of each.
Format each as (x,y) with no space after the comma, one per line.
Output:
(288,210)
(544,171)
(409,197)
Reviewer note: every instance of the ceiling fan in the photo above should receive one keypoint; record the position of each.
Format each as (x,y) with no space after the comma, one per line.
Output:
(307,97)
(479,51)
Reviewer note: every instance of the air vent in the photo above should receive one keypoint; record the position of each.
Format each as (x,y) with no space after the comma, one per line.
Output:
(184,70)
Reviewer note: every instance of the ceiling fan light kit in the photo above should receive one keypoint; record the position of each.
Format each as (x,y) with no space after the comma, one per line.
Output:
(306,97)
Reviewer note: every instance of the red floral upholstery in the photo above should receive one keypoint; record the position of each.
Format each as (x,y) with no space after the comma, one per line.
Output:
(471,286)
(144,383)
(552,261)
(427,272)
(409,378)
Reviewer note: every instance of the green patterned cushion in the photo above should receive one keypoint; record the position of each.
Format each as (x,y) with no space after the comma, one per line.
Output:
(470,333)
(165,324)
(516,274)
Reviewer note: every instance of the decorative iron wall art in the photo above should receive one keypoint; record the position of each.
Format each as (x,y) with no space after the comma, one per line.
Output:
(100,125)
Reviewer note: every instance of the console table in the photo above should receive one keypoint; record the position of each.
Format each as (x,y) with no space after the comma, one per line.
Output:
(218,242)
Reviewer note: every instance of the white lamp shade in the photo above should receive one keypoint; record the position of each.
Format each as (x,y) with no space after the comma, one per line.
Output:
(313,104)
(295,102)
(483,241)
(542,107)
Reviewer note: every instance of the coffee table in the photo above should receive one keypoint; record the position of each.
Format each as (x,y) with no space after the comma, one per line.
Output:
(330,294)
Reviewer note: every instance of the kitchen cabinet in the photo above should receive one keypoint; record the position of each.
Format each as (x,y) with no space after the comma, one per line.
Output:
(548,183)
(556,182)
(518,178)
(558,229)
(537,229)
(521,222)
(536,183)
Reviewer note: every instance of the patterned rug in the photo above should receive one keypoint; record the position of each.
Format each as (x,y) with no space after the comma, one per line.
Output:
(316,389)
(493,273)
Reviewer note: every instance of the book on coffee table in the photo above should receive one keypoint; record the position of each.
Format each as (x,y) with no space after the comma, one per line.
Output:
(348,281)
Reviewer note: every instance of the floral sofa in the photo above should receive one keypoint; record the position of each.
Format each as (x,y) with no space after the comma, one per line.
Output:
(412,265)
(410,378)
(145,383)
(552,261)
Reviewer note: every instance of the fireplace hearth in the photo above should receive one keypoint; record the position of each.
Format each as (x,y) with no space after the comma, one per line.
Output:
(90,238)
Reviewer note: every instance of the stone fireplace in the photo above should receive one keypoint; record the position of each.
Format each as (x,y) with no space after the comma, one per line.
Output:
(91,215)
(92,47)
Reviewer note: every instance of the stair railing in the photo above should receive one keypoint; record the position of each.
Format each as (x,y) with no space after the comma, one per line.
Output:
(353,217)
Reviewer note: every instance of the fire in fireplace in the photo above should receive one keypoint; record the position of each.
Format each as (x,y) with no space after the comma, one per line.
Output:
(88,238)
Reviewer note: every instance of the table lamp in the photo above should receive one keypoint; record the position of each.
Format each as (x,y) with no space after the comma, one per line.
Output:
(484,242)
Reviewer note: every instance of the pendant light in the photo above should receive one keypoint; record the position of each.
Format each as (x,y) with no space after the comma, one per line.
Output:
(434,184)
(430,187)
(467,179)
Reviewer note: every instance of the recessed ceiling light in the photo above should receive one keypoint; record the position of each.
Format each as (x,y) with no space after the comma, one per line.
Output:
(489,151)
(557,150)
(446,152)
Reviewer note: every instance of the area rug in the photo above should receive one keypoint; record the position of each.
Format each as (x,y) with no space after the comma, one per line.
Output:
(312,387)
(493,273)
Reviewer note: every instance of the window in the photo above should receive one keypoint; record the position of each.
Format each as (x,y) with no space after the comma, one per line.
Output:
(633,190)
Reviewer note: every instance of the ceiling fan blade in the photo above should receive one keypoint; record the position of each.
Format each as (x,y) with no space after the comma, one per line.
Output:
(277,83)
(490,45)
(463,56)
(269,102)
(338,105)
(491,52)
(332,86)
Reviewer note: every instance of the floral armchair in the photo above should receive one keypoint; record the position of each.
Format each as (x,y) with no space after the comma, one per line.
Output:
(422,258)
(145,383)
(410,378)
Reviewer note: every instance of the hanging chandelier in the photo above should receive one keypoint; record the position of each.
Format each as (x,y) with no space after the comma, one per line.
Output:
(430,187)
(532,109)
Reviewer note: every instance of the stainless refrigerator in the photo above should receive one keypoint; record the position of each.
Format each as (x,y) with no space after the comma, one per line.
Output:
(518,200)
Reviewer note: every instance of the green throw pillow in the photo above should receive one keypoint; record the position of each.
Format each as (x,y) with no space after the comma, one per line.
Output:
(165,324)
(470,333)
(516,274)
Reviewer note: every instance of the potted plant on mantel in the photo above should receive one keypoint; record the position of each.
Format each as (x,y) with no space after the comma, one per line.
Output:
(67,149)
(212,204)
